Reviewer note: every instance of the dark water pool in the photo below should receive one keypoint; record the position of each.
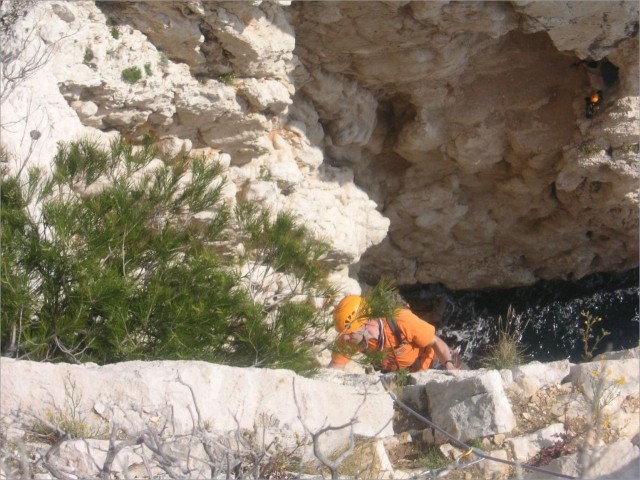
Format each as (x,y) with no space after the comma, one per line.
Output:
(553,310)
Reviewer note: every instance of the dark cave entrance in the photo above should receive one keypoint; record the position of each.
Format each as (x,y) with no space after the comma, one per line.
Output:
(553,309)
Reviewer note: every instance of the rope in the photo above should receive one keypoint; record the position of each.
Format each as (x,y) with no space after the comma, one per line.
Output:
(463,446)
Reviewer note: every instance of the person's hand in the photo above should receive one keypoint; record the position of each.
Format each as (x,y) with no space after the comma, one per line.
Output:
(449,365)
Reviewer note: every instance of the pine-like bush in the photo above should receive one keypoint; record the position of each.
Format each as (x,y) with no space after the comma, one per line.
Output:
(115,265)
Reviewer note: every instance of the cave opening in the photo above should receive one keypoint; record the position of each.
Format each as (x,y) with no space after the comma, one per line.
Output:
(605,69)
(555,311)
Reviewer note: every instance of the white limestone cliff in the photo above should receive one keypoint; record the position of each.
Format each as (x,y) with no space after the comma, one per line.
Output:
(427,142)
(180,407)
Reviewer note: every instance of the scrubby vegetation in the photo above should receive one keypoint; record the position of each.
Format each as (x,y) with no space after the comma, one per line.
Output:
(508,350)
(131,255)
(131,75)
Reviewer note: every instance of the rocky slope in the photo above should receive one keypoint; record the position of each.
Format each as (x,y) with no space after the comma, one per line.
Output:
(187,419)
(427,141)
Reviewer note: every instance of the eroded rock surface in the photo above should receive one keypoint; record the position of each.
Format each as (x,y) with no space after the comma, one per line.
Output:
(426,141)
(172,410)
(482,156)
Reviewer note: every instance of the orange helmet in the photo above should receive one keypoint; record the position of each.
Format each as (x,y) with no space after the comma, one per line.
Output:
(350,314)
(595,97)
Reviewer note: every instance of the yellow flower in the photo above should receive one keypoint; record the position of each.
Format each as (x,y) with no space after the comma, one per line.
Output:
(620,381)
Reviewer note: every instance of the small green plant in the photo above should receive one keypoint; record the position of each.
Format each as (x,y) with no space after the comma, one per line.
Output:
(131,75)
(148,139)
(88,56)
(115,32)
(507,352)
(147,69)
(201,77)
(163,61)
(227,78)
(589,148)
(402,377)
(264,174)
(430,458)
(630,148)
(590,341)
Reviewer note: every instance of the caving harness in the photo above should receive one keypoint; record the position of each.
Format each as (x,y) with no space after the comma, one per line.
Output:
(400,341)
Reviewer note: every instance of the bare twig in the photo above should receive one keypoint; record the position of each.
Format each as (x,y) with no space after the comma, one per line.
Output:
(332,465)
(21,57)
(114,449)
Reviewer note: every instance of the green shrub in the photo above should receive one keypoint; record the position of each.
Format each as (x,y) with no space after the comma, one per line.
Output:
(227,78)
(590,148)
(131,75)
(115,32)
(147,69)
(630,148)
(287,249)
(127,273)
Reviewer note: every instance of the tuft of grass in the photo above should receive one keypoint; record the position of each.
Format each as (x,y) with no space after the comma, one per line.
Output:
(148,139)
(508,351)
(589,148)
(431,458)
(131,75)
(147,69)
(264,174)
(630,148)
(115,32)
(163,61)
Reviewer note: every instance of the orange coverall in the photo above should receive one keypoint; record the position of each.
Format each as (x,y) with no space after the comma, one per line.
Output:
(413,353)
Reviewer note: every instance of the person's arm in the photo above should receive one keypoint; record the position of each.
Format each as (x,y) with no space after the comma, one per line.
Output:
(339,357)
(422,334)
(443,354)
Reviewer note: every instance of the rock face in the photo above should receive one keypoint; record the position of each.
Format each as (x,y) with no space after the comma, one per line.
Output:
(482,156)
(426,141)
(134,395)
(186,413)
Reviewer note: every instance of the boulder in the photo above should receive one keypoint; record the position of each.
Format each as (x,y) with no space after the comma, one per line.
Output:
(471,407)
(137,395)
(528,379)
(617,461)
(525,447)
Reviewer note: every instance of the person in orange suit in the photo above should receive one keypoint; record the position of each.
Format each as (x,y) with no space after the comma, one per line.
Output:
(407,341)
